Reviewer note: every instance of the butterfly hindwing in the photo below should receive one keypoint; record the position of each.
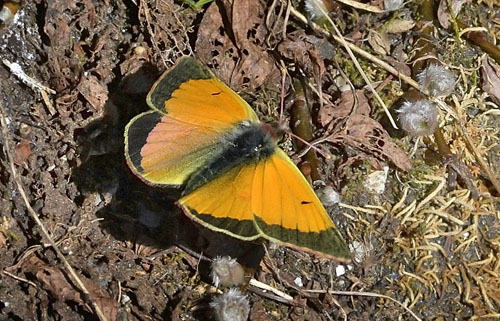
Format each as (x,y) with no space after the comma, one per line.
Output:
(287,209)
(269,199)
(224,203)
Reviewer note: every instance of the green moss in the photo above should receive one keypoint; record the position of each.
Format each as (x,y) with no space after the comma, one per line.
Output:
(355,187)
(420,169)
(9,235)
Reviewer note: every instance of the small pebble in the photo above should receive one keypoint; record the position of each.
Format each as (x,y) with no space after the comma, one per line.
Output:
(340,270)
(298,282)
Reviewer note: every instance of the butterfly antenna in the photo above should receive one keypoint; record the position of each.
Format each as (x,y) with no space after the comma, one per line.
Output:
(310,146)
(282,107)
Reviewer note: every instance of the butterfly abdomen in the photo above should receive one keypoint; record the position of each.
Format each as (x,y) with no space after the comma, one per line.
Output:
(248,143)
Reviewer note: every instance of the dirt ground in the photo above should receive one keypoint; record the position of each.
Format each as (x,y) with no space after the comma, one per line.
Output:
(75,72)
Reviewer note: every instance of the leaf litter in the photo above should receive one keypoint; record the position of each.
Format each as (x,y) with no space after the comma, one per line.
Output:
(431,247)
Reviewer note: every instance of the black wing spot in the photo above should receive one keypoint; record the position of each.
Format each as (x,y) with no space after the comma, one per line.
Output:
(217,93)
(305,202)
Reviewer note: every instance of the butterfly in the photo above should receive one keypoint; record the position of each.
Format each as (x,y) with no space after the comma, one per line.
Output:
(202,137)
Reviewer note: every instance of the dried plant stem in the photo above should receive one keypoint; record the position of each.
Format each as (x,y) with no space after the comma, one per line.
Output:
(35,217)
(442,146)
(426,48)
(289,299)
(492,177)
(428,9)
(34,84)
(476,36)
(302,126)
(480,39)
(339,38)
(15,277)
(358,50)
(362,6)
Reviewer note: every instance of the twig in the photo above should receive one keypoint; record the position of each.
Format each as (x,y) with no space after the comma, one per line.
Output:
(492,177)
(18,278)
(358,50)
(362,6)
(35,217)
(34,84)
(343,42)
(269,288)
(144,6)
(290,299)
(16,69)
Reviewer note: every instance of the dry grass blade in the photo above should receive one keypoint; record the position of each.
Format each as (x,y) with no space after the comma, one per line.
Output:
(358,66)
(369,294)
(37,220)
(15,277)
(358,50)
(339,38)
(362,6)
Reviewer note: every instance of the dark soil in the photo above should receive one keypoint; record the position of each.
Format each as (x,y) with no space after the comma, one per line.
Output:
(133,248)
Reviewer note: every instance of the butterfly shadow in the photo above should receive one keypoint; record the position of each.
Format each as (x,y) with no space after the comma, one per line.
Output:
(130,210)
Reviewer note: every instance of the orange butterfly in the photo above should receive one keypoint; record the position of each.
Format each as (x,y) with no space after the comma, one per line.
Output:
(204,138)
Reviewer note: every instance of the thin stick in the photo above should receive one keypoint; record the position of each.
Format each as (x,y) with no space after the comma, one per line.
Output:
(34,84)
(403,77)
(35,217)
(309,146)
(282,96)
(266,287)
(358,50)
(16,69)
(493,178)
(362,6)
(343,42)
(15,277)
(287,297)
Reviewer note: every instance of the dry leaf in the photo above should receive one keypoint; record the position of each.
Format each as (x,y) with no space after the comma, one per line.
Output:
(93,91)
(235,50)
(361,132)
(327,113)
(379,42)
(344,106)
(400,26)
(490,74)
(303,50)
(55,281)
(368,136)
(22,152)
(443,13)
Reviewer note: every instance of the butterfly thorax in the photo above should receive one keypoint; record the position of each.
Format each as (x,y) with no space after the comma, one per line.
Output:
(249,142)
